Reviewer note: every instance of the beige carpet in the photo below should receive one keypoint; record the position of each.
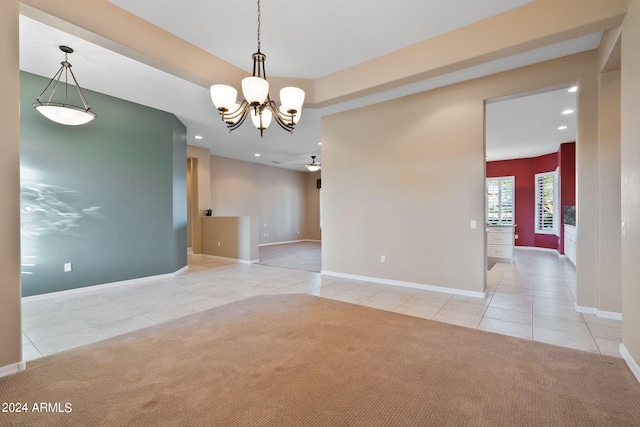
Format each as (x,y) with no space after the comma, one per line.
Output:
(298,360)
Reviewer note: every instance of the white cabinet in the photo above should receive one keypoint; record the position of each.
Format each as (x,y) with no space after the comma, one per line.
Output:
(500,242)
(570,241)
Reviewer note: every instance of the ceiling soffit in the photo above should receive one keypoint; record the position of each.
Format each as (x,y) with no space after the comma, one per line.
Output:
(534,25)
(610,51)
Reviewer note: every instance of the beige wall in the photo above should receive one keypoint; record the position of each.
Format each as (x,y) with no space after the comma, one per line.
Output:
(631,181)
(277,196)
(312,207)
(230,236)
(404,179)
(610,297)
(10,318)
(191,201)
(588,202)
(201,187)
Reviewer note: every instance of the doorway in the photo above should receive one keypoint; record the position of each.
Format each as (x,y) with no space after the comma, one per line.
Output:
(193,222)
(530,172)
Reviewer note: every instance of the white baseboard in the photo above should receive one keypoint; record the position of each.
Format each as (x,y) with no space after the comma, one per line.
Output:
(535,248)
(280,243)
(609,315)
(633,365)
(289,241)
(238,260)
(406,284)
(12,369)
(178,272)
(105,286)
(600,313)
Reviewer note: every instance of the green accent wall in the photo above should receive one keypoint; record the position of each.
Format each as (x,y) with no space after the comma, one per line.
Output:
(109,197)
(179,194)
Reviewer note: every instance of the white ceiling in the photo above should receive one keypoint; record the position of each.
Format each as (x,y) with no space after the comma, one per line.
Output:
(530,121)
(298,42)
(311,39)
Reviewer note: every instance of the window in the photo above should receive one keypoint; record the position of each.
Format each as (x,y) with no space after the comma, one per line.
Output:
(500,204)
(547,202)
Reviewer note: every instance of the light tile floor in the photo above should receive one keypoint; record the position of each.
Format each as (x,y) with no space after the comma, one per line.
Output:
(532,298)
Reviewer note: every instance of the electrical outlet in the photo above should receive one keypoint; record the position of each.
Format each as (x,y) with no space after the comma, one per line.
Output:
(68,267)
(218,243)
(383,259)
(473,224)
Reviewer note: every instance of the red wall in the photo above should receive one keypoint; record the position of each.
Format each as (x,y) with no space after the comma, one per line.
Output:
(567,155)
(546,163)
(524,171)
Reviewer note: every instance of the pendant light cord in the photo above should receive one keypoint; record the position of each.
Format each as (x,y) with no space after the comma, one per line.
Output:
(66,78)
(258,25)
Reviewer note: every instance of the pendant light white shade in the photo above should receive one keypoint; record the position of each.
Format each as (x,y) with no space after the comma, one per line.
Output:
(62,110)
(291,98)
(223,97)
(313,166)
(65,115)
(266,118)
(255,90)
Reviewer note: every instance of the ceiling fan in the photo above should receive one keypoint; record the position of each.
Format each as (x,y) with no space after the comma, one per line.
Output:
(314,165)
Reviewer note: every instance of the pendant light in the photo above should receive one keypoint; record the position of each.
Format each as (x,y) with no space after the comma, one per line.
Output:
(64,112)
(257,103)
(313,166)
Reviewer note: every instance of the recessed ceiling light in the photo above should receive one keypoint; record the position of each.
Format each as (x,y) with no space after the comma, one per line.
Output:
(568,111)
(319,143)
(562,128)
(198,137)
(573,89)
(257,154)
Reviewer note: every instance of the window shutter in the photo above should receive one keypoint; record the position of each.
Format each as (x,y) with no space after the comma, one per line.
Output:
(546,199)
(500,200)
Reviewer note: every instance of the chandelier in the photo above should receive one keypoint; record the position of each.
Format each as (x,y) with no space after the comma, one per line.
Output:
(257,103)
(64,112)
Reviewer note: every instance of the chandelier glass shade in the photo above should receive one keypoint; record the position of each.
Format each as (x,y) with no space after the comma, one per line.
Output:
(313,166)
(60,110)
(257,103)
